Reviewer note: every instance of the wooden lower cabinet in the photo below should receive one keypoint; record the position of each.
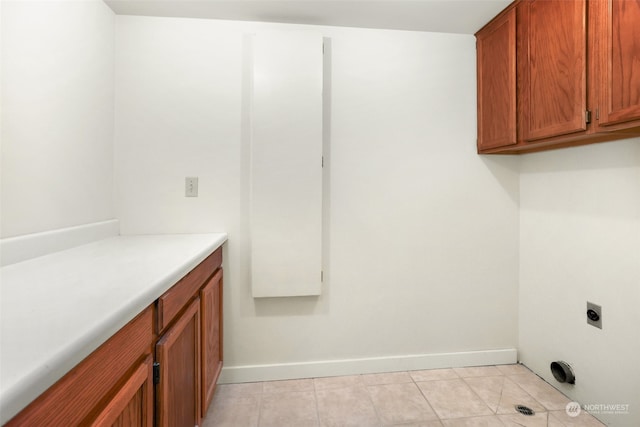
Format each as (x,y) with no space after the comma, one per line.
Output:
(178,389)
(211,326)
(122,383)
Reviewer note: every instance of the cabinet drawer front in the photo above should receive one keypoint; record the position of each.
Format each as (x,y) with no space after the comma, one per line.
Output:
(176,298)
(69,401)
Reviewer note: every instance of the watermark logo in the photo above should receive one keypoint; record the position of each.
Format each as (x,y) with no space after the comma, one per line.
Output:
(573,409)
(607,408)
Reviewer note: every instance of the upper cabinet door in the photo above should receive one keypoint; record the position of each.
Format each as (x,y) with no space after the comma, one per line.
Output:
(555,69)
(620,65)
(496,57)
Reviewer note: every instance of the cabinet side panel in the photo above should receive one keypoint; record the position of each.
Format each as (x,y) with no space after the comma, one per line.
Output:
(211,318)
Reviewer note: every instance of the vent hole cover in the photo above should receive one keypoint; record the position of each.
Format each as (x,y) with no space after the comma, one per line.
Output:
(525,410)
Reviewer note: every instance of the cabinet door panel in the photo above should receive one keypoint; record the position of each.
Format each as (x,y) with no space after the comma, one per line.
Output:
(496,57)
(132,406)
(556,69)
(620,65)
(211,318)
(178,353)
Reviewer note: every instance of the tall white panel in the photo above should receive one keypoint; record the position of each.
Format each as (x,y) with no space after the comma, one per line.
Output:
(286,168)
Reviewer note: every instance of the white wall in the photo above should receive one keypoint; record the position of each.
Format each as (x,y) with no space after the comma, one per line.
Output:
(421,234)
(57,115)
(580,241)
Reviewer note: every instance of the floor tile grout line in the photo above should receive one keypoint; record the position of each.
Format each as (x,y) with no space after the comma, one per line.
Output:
(428,402)
(476,394)
(261,395)
(375,409)
(480,397)
(504,379)
(543,380)
(536,400)
(528,394)
(466,384)
(436,379)
(359,385)
(546,410)
(425,399)
(315,397)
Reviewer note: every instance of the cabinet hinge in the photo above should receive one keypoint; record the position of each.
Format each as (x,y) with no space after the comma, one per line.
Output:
(321,276)
(588,116)
(597,114)
(322,161)
(156,373)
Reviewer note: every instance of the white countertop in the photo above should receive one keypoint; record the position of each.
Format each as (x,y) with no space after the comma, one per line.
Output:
(57,309)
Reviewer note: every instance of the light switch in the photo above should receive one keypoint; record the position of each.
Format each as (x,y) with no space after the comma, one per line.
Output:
(191,187)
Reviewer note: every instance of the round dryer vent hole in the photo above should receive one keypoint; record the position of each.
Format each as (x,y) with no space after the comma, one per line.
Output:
(524,410)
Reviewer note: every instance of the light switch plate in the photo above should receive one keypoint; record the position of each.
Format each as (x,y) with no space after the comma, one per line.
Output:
(191,187)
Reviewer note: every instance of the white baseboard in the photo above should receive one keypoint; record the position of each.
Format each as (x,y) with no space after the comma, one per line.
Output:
(330,368)
(22,248)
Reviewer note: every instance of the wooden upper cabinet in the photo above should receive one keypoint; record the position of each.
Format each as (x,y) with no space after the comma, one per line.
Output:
(577,75)
(620,61)
(496,68)
(555,69)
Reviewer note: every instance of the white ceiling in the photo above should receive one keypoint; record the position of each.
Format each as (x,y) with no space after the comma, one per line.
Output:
(447,16)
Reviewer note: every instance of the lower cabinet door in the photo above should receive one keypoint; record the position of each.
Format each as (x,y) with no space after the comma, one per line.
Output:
(178,389)
(211,312)
(132,405)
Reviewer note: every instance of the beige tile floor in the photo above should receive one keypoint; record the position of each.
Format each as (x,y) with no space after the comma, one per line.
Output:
(461,397)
